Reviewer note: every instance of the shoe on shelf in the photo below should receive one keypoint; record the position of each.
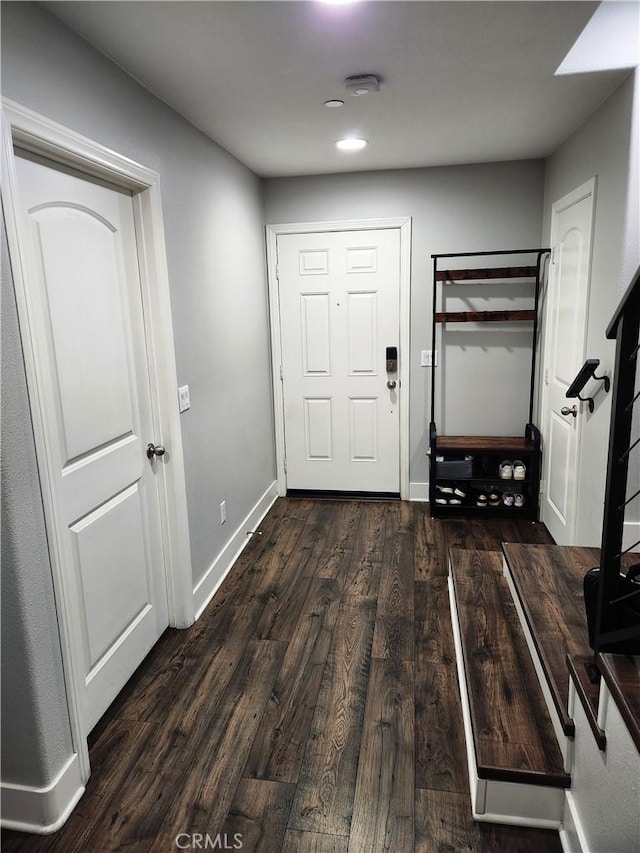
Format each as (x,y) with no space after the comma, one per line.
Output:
(444,490)
(505,469)
(508,499)
(459,491)
(494,498)
(455,502)
(519,469)
(442,501)
(519,499)
(481,499)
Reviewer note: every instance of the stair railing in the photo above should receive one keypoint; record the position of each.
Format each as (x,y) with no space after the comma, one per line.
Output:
(617,616)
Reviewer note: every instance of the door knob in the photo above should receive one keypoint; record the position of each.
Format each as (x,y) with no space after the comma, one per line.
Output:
(155,450)
(391,384)
(565,410)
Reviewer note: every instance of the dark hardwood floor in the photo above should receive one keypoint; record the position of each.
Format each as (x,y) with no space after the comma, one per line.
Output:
(313,707)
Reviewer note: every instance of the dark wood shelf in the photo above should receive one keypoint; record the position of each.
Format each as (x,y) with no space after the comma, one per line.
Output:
(486,443)
(527,447)
(486,274)
(484,316)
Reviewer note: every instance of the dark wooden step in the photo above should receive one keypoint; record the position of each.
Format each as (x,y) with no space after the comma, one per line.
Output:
(513,734)
(548,582)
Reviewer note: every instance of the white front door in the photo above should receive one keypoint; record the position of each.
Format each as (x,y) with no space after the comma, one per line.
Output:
(92,376)
(566,322)
(339,295)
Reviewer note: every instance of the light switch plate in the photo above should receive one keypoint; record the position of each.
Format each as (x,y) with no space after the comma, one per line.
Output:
(184,402)
(425,358)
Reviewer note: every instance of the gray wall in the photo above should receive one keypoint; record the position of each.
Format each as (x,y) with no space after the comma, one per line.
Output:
(602,146)
(457,208)
(32,680)
(215,249)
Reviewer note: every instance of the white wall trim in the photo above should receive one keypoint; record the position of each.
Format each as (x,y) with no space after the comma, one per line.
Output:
(418,491)
(207,587)
(37,134)
(572,835)
(42,810)
(403,224)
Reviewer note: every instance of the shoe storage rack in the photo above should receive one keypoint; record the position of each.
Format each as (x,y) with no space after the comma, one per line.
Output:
(486,475)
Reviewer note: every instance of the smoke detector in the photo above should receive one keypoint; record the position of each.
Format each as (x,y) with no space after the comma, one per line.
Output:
(362,84)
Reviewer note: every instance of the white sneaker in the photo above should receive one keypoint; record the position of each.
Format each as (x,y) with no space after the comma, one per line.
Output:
(519,499)
(519,470)
(505,469)
(444,490)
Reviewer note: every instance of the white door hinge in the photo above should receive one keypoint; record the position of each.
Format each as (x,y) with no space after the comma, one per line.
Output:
(281,376)
(285,466)
(277,273)
(553,255)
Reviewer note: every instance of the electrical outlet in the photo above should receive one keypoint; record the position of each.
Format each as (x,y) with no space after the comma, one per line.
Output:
(223,512)
(425,358)
(184,402)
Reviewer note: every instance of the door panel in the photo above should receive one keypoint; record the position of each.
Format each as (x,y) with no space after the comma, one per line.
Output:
(318,428)
(363,421)
(87,309)
(110,545)
(339,296)
(566,318)
(316,343)
(79,295)
(363,333)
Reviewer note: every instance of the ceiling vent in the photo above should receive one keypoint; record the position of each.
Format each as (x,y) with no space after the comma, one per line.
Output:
(362,84)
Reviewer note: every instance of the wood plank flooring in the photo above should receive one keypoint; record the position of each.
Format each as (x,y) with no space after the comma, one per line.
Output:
(313,707)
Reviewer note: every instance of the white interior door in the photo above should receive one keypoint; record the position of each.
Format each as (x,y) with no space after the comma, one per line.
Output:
(93,380)
(566,322)
(339,295)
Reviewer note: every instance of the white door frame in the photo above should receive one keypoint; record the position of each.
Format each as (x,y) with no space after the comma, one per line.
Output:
(30,131)
(403,224)
(588,188)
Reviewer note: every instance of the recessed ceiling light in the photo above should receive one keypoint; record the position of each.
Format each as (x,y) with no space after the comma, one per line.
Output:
(351,143)
(338,2)
(334,103)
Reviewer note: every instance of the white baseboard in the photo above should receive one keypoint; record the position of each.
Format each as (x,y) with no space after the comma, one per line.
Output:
(630,535)
(418,491)
(207,587)
(571,832)
(42,810)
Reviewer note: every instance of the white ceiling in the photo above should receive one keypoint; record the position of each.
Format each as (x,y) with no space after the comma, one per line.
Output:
(462,82)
